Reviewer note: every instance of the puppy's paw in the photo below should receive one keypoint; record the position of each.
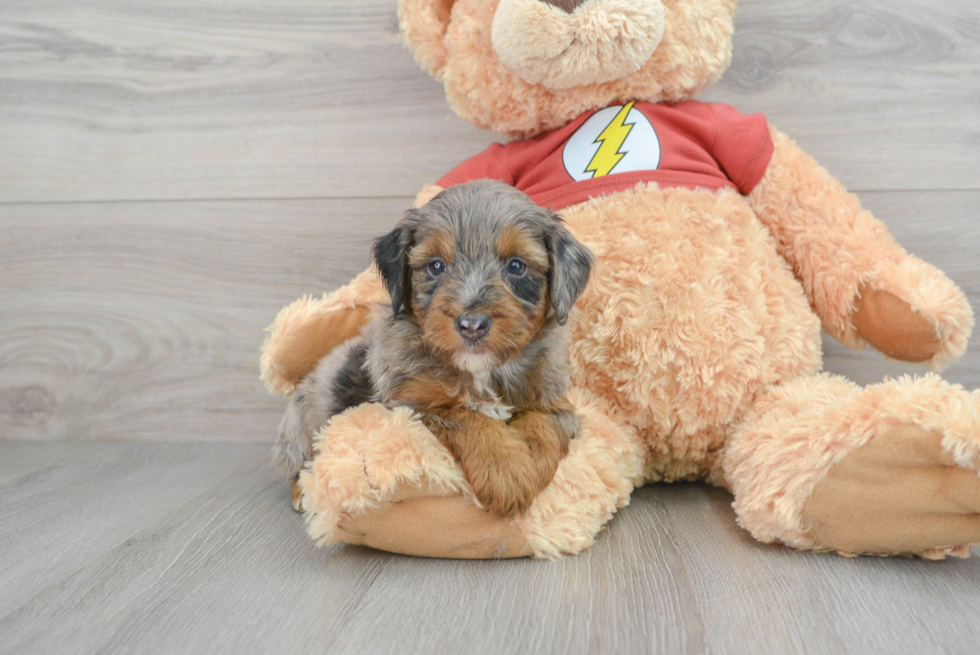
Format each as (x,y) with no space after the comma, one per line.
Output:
(496,411)
(507,482)
(297,500)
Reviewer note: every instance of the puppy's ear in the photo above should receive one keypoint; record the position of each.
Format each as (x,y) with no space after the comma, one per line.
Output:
(571,266)
(391,258)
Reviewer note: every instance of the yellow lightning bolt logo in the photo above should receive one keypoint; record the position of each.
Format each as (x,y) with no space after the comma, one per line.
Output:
(611,140)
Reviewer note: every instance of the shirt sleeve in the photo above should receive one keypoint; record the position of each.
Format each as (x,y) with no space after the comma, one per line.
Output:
(491,163)
(742,146)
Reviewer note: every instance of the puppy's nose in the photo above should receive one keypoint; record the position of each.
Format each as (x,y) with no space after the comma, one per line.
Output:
(472,326)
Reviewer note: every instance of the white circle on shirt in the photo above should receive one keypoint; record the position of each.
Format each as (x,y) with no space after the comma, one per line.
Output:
(622,151)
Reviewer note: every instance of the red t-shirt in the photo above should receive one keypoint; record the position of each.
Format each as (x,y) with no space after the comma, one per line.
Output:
(691,144)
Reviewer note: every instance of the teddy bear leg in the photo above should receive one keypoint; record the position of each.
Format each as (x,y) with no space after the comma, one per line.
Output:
(823,464)
(380,479)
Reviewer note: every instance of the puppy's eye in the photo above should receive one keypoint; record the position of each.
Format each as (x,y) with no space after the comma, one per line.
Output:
(436,267)
(515,267)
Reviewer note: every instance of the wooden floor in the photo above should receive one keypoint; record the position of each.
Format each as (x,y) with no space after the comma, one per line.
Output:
(189,548)
(172,173)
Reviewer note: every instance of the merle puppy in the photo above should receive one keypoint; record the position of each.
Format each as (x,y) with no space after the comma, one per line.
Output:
(481,280)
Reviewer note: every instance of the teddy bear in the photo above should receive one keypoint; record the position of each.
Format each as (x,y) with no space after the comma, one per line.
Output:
(721,250)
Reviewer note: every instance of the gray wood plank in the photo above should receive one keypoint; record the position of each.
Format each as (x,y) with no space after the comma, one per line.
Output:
(142,321)
(814,603)
(71,502)
(885,94)
(133,99)
(229,569)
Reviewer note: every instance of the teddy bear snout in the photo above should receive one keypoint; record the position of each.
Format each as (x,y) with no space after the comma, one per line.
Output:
(562,44)
(567,5)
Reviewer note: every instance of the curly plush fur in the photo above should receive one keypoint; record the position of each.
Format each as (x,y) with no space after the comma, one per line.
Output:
(696,349)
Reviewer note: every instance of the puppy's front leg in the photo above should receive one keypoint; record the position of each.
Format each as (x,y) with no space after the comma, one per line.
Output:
(497,464)
(547,433)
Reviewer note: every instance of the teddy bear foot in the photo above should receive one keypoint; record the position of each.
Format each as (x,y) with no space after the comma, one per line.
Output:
(890,469)
(901,492)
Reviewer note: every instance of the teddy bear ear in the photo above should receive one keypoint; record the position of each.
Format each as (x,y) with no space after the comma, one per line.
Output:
(423,24)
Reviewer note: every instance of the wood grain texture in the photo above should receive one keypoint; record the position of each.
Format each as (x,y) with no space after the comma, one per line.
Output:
(221,565)
(143,321)
(66,504)
(885,94)
(134,99)
(131,99)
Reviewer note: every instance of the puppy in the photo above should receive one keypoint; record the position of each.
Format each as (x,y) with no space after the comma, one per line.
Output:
(481,280)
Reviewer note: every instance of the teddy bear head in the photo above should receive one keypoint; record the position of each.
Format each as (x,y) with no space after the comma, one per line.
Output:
(522,67)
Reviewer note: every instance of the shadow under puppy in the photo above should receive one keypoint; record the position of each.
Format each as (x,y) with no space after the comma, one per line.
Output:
(481,280)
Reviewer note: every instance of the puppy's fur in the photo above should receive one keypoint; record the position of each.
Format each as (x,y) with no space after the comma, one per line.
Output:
(481,279)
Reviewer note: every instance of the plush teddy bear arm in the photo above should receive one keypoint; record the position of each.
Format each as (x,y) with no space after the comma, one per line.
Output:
(446,527)
(428,192)
(380,478)
(307,330)
(862,284)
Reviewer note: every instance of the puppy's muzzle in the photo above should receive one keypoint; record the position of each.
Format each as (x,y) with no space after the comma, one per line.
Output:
(472,326)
